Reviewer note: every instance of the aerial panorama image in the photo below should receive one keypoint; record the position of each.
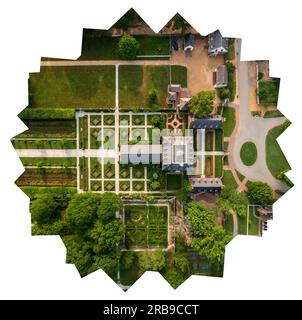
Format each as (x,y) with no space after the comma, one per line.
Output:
(152,151)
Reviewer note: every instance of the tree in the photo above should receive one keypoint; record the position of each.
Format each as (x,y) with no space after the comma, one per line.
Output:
(231,201)
(202,104)
(212,245)
(81,212)
(44,209)
(108,263)
(174,276)
(128,259)
(151,260)
(110,203)
(181,261)
(201,219)
(128,47)
(79,253)
(260,193)
(105,237)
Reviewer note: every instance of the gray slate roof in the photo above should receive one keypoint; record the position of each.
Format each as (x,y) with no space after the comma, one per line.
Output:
(221,75)
(206,123)
(217,41)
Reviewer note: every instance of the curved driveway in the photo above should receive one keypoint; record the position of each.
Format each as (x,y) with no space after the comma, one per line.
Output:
(252,129)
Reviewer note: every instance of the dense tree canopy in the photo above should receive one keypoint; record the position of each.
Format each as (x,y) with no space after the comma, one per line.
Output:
(106,236)
(174,276)
(128,47)
(231,201)
(201,219)
(110,203)
(82,211)
(202,104)
(151,260)
(79,252)
(212,245)
(260,193)
(44,209)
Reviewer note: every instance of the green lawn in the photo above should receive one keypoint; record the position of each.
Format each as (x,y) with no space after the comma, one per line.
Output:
(174,181)
(273,114)
(275,158)
(218,166)
(218,140)
(97,46)
(130,87)
(253,223)
(242,225)
(240,176)
(73,87)
(229,124)
(248,153)
(228,179)
(268,92)
(136,81)
(225,145)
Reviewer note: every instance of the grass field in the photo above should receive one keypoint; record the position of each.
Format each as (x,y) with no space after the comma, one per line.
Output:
(275,158)
(268,92)
(146,226)
(229,124)
(136,81)
(73,87)
(248,153)
(174,182)
(228,179)
(101,47)
(48,177)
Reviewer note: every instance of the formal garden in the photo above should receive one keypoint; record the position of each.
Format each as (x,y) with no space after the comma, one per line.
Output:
(146,226)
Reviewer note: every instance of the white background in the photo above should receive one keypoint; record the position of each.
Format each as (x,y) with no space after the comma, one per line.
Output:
(34,267)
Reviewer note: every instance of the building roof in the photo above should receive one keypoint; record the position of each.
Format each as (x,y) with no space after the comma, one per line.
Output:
(216,41)
(199,182)
(221,75)
(206,123)
(177,150)
(174,88)
(189,40)
(172,96)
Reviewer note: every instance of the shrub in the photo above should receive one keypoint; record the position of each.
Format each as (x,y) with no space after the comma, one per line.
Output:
(225,93)
(47,114)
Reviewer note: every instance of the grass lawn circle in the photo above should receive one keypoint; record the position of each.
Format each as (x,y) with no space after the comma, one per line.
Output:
(248,153)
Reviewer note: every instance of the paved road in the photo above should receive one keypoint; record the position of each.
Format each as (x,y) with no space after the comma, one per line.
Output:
(253,129)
